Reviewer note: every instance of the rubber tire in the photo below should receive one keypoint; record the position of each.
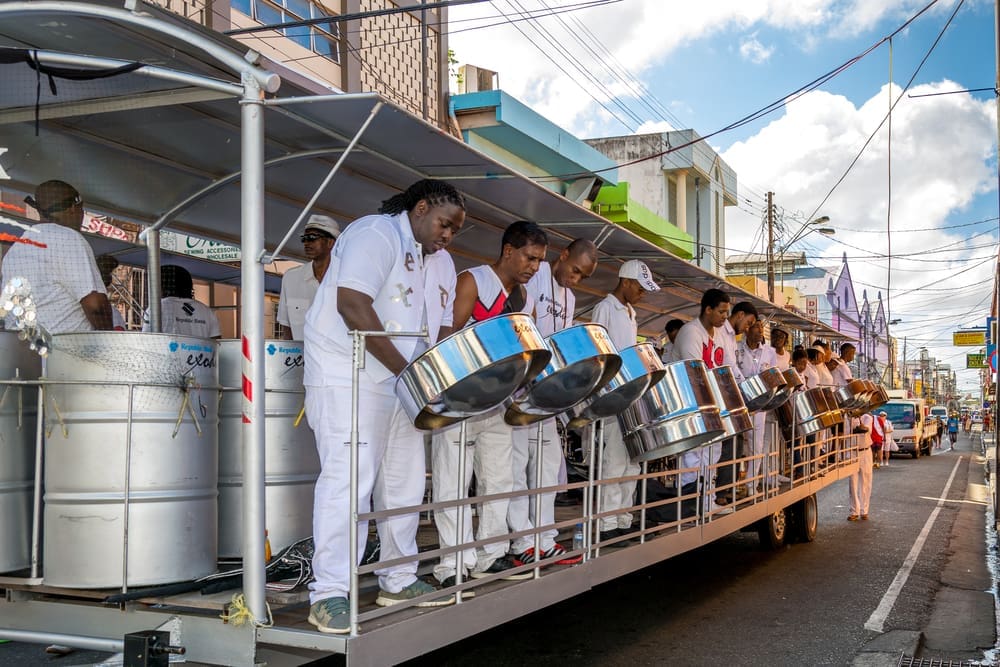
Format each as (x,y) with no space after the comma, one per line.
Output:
(805,519)
(773,530)
(916,451)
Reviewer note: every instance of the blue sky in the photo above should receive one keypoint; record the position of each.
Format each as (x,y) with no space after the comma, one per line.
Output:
(714,62)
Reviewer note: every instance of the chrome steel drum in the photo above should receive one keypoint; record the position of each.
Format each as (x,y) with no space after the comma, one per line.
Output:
(472,371)
(760,389)
(145,467)
(733,411)
(18,410)
(291,463)
(809,411)
(583,361)
(793,379)
(678,413)
(853,395)
(641,368)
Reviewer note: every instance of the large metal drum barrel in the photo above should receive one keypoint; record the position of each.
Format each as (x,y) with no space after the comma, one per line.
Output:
(291,464)
(130,469)
(18,409)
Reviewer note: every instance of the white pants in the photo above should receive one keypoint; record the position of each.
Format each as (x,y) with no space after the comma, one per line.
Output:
(391,474)
(861,483)
(521,512)
(616,462)
(490,441)
(755,455)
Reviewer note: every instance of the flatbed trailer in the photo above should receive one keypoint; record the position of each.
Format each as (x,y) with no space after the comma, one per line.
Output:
(176,136)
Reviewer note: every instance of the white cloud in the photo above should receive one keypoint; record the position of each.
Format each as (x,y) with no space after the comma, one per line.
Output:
(943,156)
(751,49)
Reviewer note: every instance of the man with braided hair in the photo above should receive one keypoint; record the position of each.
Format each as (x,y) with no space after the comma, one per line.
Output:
(389,272)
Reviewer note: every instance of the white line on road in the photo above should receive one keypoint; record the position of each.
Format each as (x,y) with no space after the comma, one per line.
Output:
(876,621)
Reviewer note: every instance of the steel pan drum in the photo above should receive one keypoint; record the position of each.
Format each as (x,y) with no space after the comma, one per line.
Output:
(733,410)
(792,382)
(472,371)
(809,411)
(853,395)
(759,390)
(583,360)
(793,379)
(641,368)
(678,413)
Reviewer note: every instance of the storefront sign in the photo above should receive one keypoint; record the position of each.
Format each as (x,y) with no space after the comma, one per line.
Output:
(197,247)
(812,307)
(977,360)
(98,224)
(969,338)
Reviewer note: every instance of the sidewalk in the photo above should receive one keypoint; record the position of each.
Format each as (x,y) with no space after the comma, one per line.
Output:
(963,620)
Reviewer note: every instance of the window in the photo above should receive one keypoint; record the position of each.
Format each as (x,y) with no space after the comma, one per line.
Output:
(321,39)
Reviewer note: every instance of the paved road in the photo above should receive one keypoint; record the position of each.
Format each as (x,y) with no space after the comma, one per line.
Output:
(732,603)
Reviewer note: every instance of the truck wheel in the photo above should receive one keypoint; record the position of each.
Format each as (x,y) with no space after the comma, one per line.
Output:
(805,519)
(772,530)
(916,451)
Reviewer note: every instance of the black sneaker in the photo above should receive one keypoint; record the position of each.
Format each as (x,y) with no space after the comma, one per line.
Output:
(502,564)
(450,581)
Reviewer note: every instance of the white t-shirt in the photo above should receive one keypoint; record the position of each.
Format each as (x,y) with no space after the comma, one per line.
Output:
(810,377)
(752,362)
(298,289)
(668,351)
(619,319)
(554,304)
(784,360)
(60,275)
(726,336)
(185,317)
(825,378)
(842,373)
(693,342)
(376,255)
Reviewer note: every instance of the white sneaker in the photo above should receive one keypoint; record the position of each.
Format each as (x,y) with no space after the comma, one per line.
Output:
(717,509)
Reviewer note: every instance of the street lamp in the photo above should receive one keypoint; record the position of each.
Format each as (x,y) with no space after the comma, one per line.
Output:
(806,229)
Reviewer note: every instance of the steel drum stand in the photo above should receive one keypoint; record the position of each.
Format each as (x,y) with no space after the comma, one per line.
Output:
(596,448)
(36,496)
(536,499)
(463,492)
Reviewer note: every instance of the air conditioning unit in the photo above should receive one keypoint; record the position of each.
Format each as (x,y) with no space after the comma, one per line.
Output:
(476,79)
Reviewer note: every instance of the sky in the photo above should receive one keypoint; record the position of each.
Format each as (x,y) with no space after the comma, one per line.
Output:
(916,212)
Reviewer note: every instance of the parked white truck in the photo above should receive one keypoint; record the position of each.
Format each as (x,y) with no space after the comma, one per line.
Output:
(914,429)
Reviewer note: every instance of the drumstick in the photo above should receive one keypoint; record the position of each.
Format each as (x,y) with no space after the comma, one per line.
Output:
(10,238)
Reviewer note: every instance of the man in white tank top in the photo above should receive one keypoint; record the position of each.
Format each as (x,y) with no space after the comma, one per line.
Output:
(483,292)
(383,268)
(552,291)
(616,313)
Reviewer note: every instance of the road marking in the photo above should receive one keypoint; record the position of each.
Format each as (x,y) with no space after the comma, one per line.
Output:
(876,621)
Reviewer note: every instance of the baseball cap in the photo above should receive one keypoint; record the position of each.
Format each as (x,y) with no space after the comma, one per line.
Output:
(638,271)
(323,223)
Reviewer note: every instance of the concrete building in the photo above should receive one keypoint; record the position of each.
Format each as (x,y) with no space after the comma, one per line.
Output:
(403,56)
(681,179)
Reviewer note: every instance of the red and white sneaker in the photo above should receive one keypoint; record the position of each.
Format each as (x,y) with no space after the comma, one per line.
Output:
(556,551)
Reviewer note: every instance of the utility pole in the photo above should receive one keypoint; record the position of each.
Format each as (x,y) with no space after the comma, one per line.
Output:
(770,246)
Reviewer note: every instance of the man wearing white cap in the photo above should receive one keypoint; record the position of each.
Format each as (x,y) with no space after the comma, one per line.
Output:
(299,284)
(616,313)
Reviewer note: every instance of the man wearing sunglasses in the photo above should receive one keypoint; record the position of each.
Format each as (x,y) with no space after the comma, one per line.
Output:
(299,285)
(65,282)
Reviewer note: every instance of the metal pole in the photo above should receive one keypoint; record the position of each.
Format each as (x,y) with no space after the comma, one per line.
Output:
(588,491)
(463,489)
(536,500)
(252,298)
(36,495)
(153,280)
(357,362)
(75,641)
(770,247)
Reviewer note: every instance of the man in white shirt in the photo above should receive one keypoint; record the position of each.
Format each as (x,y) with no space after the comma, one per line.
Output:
(552,290)
(701,339)
(825,355)
(180,313)
(841,372)
(300,283)
(779,342)
(377,282)
(860,483)
(753,356)
(670,335)
(59,265)
(483,292)
(617,315)
(740,318)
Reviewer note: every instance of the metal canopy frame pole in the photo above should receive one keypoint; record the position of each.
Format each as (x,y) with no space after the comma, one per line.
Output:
(326,182)
(252,297)
(153,280)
